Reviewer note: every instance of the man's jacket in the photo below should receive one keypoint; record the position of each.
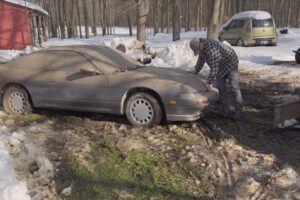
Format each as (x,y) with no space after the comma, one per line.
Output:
(220,58)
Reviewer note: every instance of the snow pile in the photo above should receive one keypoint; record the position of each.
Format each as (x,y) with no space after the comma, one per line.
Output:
(177,55)
(6,55)
(128,42)
(10,187)
(256,14)
(28,5)
(287,123)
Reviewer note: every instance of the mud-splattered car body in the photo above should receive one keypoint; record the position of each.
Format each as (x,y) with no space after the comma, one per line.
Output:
(101,79)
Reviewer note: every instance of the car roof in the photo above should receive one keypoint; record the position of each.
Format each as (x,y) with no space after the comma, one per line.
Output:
(255,14)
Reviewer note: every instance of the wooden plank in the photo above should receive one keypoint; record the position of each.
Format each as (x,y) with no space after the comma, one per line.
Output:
(286,111)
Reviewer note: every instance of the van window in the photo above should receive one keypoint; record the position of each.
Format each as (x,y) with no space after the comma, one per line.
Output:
(240,23)
(262,23)
(236,24)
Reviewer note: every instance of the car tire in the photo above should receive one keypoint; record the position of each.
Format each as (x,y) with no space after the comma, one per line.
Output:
(274,44)
(16,101)
(240,42)
(297,56)
(142,109)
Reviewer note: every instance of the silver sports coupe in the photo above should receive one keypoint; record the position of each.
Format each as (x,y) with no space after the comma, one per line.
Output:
(101,79)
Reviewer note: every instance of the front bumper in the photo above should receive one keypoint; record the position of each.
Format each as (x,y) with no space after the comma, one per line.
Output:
(191,109)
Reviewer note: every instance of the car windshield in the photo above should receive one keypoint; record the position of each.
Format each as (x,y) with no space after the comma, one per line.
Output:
(262,23)
(110,59)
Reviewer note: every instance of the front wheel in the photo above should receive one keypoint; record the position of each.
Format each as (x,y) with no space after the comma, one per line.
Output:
(142,109)
(16,101)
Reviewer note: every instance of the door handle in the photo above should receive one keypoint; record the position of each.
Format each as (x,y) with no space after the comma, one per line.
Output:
(51,82)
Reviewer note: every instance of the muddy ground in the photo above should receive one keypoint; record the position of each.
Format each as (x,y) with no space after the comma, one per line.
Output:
(65,155)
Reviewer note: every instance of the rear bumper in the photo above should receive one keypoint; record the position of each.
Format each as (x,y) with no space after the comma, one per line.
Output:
(252,41)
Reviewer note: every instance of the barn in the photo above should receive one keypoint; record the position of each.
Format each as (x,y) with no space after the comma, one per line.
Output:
(21,23)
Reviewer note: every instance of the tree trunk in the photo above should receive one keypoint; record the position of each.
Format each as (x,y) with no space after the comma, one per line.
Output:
(213,28)
(94,18)
(298,15)
(222,6)
(176,19)
(104,19)
(61,19)
(162,9)
(142,12)
(79,18)
(155,15)
(86,19)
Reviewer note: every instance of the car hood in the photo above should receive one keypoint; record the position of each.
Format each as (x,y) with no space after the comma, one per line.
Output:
(176,75)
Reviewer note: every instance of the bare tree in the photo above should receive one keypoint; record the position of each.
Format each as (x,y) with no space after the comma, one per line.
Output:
(176,19)
(94,17)
(79,18)
(86,19)
(142,12)
(213,28)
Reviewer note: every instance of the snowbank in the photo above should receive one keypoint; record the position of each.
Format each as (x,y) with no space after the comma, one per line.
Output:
(10,187)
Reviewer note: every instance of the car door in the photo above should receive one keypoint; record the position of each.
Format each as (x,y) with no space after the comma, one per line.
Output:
(30,71)
(76,83)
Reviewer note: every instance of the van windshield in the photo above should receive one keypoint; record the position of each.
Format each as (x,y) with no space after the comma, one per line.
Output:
(262,22)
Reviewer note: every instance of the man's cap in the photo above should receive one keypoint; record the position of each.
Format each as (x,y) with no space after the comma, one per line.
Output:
(194,44)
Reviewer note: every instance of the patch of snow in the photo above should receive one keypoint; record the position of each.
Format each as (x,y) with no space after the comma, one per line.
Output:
(10,187)
(29,5)
(67,191)
(287,123)
(255,14)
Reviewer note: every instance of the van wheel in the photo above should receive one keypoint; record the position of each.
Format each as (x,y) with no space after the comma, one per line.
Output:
(142,109)
(297,56)
(16,101)
(240,42)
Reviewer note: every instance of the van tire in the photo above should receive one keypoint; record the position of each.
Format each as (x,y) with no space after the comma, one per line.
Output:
(274,44)
(240,42)
(297,56)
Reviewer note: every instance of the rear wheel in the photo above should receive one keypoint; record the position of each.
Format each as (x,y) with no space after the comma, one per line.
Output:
(16,101)
(142,109)
(240,42)
(297,56)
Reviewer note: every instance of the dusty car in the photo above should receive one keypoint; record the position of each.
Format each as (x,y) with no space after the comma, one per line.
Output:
(104,80)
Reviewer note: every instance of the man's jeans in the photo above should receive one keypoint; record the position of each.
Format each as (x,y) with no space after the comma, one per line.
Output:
(230,80)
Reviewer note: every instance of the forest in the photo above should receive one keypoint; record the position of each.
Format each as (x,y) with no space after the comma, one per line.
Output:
(100,17)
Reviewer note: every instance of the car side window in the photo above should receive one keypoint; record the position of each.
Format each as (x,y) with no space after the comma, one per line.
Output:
(68,61)
(240,23)
(34,61)
(232,24)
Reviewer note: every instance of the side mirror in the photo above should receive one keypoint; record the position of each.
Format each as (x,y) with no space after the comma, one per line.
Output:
(225,28)
(90,72)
